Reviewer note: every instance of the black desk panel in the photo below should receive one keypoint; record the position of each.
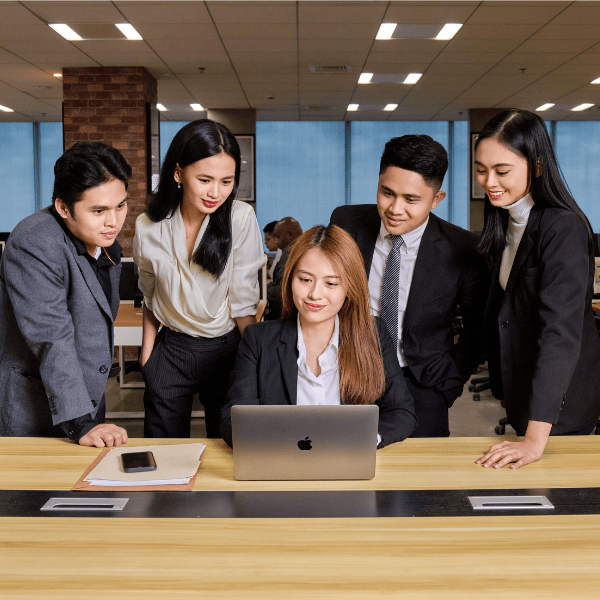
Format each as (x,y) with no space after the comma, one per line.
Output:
(293,504)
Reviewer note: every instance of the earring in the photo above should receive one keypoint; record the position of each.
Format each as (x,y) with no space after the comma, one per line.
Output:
(179,185)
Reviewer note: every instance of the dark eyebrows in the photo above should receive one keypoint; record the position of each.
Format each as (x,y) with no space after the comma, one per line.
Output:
(496,165)
(311,274)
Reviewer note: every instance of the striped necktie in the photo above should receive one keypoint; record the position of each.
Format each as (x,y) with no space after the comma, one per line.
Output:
(391,285)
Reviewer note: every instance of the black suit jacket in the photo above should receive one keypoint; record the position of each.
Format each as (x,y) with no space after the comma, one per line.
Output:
(544,350)
(448,272)
(266,372)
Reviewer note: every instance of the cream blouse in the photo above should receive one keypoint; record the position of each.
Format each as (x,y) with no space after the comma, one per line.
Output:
(184,297)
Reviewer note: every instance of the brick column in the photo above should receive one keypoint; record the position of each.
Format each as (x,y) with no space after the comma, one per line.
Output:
(108,104)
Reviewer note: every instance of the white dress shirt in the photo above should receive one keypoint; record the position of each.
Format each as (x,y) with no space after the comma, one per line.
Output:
(517,222)
(324,389)
(180,293)
(409,251)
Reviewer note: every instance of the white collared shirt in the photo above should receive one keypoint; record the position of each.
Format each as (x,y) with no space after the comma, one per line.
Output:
(180,293)
(324,389)
(409,251)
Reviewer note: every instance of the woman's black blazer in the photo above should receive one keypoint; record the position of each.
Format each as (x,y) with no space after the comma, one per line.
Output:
(543,347)
(266,372)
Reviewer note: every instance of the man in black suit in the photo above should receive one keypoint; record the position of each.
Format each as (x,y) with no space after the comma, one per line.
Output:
(420,268)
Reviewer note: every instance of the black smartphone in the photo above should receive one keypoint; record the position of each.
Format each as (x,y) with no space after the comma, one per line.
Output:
(136,462)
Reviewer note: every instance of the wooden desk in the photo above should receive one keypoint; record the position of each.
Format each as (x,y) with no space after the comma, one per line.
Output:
(542,556)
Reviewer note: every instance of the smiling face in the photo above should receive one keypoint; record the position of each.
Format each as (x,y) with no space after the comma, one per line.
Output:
(404,200)
(206,183)
(503,175)
(317,289)
(98,217)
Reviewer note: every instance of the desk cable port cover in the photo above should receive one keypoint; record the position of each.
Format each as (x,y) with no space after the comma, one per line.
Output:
(81,504)
(510,502)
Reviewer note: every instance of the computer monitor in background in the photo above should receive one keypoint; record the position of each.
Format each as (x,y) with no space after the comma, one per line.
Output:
(128,285)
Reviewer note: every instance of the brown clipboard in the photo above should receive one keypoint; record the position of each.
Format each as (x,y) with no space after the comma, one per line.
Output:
(85,486)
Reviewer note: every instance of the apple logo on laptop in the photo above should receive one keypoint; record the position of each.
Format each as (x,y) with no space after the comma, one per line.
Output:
(305,444)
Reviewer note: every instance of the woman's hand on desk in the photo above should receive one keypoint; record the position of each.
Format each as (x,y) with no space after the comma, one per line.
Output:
(519,454)
(104,435)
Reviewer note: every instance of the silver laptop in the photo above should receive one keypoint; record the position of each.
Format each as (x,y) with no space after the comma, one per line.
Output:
(304,442)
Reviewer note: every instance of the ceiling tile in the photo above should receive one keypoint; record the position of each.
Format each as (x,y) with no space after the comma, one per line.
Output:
(344,31)
(562,31)
(496,31)
(174,32)
(76,12)
(15,13)
(164,12)
(264,57)
(252,12)
(536,13)
(429,12)
(257,31)
(335,45)
(336,12)
(409,46)
(265,46)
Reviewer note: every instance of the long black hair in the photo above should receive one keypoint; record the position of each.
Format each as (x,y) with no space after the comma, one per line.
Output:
(197,140)
(524,133)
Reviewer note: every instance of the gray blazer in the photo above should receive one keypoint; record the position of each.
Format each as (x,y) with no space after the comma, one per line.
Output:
(56,330)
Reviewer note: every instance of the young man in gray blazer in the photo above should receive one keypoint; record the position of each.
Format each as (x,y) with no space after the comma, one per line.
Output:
(419,269)
(59,296)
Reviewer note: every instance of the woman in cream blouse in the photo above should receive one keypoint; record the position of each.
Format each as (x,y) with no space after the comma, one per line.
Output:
(198,252)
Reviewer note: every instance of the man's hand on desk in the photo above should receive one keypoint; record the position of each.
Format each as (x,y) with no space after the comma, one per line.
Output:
(104,435)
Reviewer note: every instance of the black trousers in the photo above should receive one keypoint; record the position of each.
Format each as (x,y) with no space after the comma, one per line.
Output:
(430,407)
(180,366)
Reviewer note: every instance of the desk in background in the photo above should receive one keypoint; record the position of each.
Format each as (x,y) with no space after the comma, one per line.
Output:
(128,332)
(541,556)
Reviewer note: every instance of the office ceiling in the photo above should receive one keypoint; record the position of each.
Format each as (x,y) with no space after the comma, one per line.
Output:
(257,55)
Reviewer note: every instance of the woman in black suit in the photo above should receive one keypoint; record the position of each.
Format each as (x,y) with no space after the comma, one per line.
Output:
(327,349)
(544,351)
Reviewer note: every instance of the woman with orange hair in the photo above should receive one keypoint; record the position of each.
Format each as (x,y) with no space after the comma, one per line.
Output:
(327,349)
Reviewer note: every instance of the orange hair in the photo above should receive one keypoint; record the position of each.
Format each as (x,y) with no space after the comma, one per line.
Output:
(362,377)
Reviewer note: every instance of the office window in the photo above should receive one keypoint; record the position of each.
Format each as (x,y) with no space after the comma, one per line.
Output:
(17,199)
(577,147)
(51,148)
(300,170)
(168,129)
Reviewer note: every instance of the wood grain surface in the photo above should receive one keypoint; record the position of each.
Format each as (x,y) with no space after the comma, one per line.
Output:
(38,463)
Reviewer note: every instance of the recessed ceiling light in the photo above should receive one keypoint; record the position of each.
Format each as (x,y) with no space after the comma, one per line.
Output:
(129,31)
(160,107)
(353,106)
(65,31)
(545,106)
(390,107)
(413,77)
(365,78)
(197,107)
(584,106)
(596,80)
(385,31)
(6,109)
(57,74)
(448,31)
